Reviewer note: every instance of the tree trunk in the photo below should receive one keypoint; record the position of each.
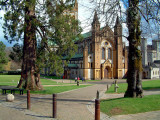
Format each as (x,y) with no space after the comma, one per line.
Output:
(135,60)
(30,76)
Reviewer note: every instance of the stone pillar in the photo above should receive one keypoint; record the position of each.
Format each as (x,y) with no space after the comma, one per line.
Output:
(85,62)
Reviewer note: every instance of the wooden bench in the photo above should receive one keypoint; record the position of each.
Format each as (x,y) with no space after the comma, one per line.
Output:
(4,90)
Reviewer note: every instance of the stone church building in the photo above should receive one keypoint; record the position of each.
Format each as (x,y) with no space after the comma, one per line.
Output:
(101,54)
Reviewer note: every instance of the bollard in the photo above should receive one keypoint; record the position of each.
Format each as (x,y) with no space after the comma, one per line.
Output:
(97,109)
(116,86)
(97,97)
(28,100)
(77,83)
(54,106)
(107,87)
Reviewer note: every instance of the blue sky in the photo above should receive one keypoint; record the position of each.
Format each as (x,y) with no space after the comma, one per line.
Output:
(85,15)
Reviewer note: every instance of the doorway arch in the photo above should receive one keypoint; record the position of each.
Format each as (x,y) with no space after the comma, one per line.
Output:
(107,72)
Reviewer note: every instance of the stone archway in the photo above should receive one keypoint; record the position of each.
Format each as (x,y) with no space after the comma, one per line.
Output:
(107,72)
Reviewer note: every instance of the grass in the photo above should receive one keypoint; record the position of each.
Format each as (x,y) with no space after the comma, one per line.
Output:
(152,84)
(12,80)
(58,89)
(54,89)
(51,77)
(121,106)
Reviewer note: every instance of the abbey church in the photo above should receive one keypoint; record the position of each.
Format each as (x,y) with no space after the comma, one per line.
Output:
(101,54)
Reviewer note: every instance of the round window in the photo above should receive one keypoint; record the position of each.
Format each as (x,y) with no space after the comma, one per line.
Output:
(106,43)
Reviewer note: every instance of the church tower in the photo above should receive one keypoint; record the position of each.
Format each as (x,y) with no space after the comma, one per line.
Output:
(119,49)
(96,47)
(75,10)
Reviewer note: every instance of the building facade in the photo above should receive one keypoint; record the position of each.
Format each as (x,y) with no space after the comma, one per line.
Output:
(101,55)
(150,59)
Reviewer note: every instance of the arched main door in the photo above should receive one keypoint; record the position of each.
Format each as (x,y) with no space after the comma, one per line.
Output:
(107,72)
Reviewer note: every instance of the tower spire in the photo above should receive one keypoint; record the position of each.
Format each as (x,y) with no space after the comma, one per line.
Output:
(76,4)
(117,21)
(95,19)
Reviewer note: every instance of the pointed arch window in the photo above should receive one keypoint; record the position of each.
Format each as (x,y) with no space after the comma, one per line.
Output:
(103,53)
(109,53)
(90,47)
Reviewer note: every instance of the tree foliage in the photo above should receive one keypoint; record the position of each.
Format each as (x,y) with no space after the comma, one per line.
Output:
(47,34)
(16,53)
(3,58)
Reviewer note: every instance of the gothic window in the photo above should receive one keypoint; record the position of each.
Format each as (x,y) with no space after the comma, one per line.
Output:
(109,53)
(103,53)
(90,47)
(91,65)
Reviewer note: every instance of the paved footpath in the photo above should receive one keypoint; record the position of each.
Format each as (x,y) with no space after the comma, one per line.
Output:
(72,105)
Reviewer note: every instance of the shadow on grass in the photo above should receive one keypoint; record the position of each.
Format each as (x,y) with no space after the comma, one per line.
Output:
(113,99)
(151,88)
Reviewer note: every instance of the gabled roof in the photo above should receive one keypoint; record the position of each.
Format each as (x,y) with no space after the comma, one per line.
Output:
(86,35)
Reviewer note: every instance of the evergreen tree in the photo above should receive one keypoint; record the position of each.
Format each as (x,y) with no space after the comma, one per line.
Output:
(46,33)
(3,58)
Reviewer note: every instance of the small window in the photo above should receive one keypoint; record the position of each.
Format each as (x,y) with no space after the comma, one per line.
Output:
(90,47)
(103,53)
(106,43)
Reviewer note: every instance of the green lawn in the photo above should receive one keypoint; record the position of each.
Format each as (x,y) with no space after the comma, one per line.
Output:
(58,89)
(52,77)
(130,105)
(152,84)
(12,80)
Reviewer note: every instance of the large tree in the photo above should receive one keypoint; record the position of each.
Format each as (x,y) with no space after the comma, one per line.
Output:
(3,58)
(131,12)
(39,25)
(135,59)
